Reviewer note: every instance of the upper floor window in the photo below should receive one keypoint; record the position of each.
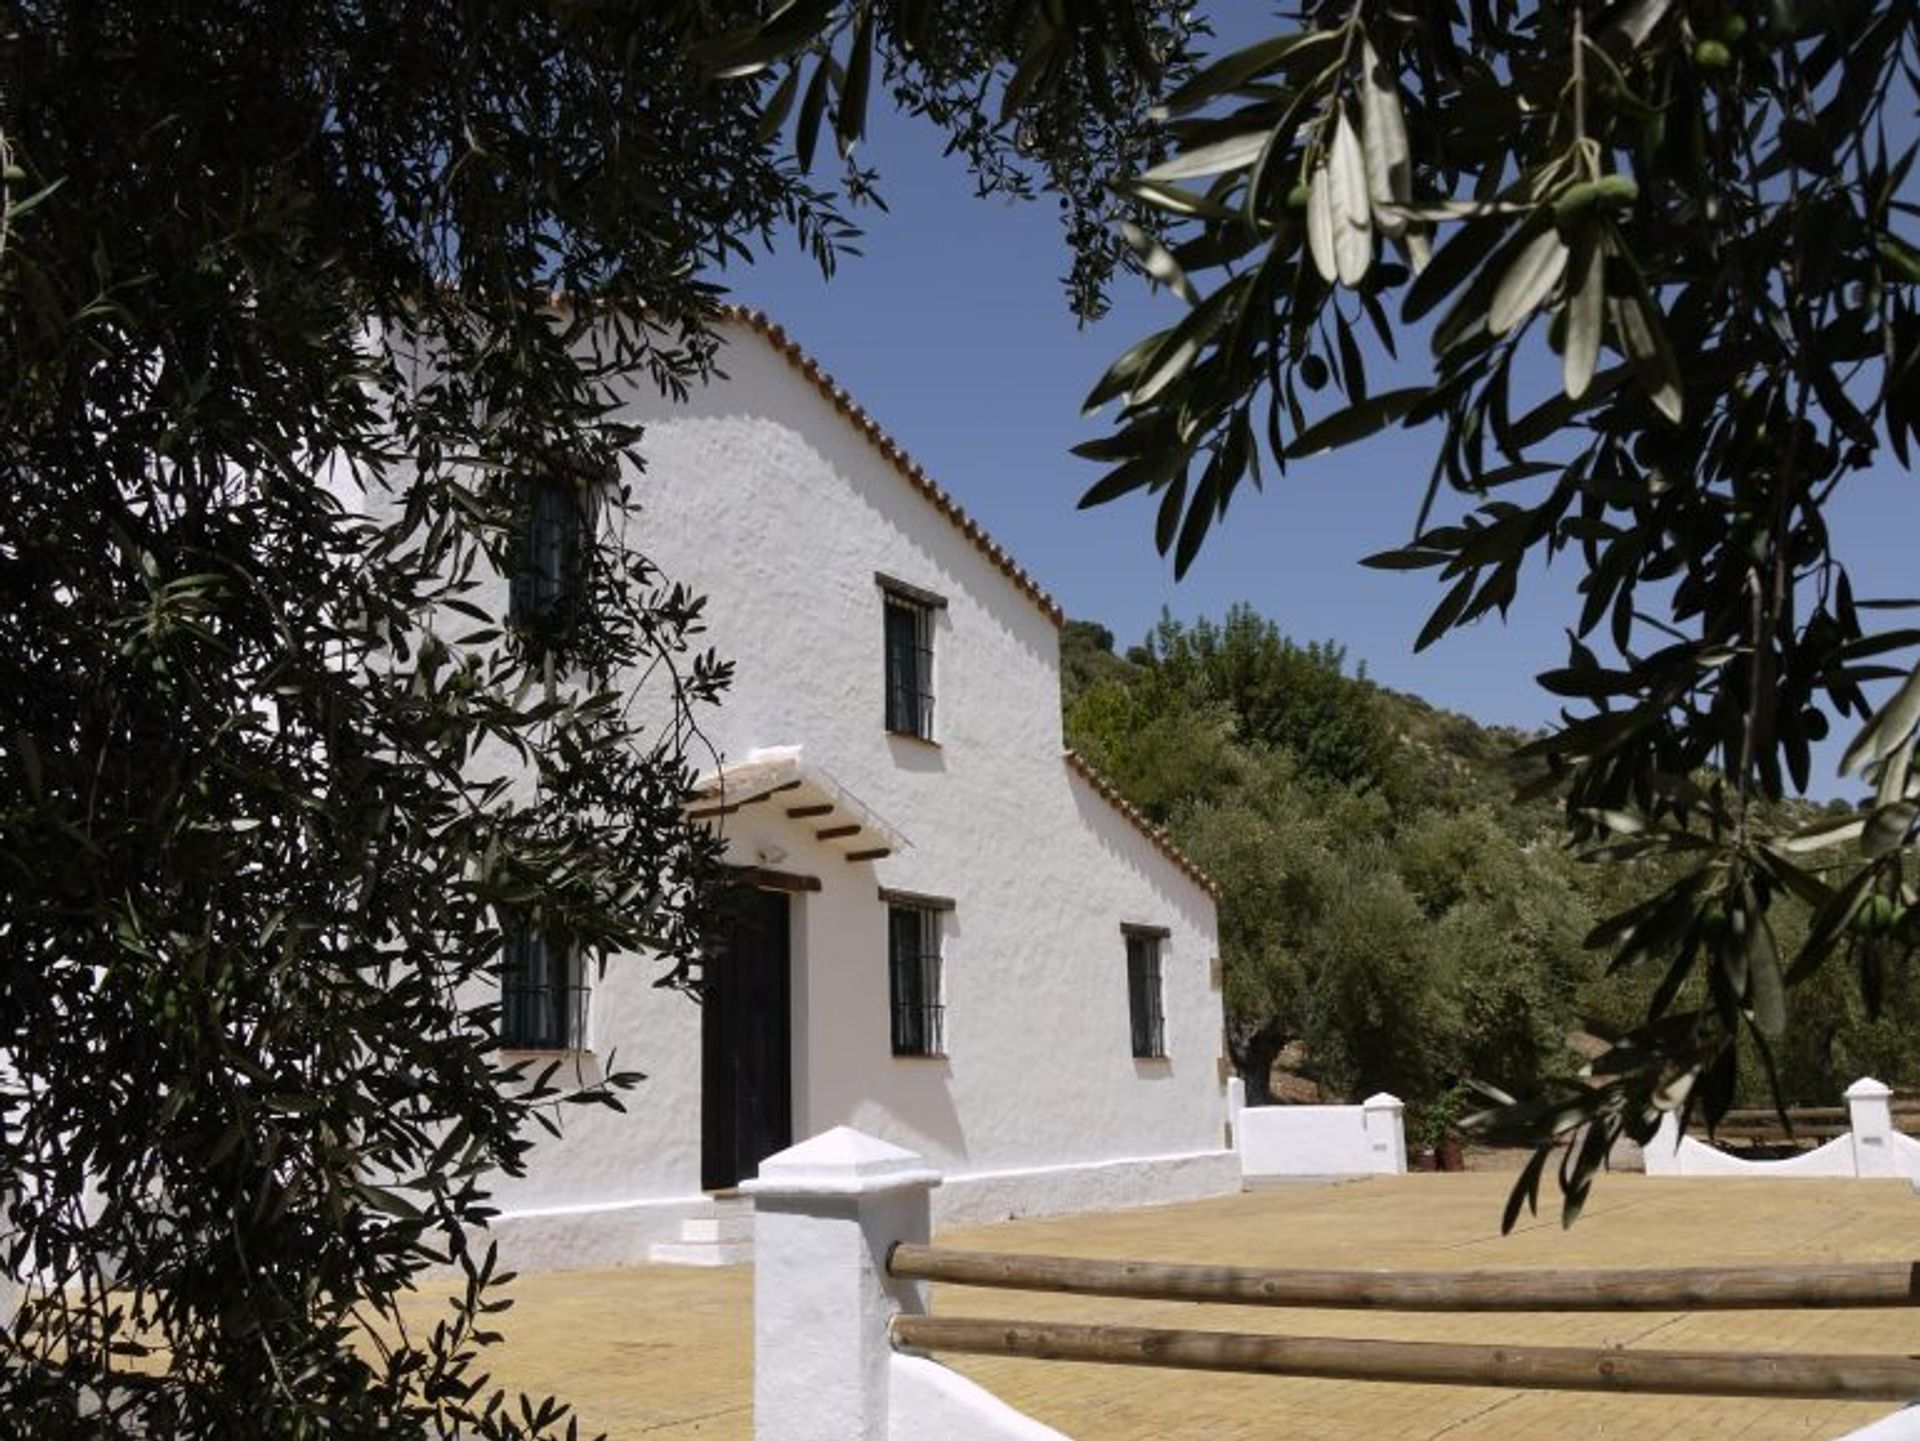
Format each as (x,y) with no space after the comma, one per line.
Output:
(543,993)
(547,594)
(1144,992)
(909,656)
(913,979)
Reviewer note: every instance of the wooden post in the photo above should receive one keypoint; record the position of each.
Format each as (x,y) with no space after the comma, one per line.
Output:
(1694,1288)
(1530,1368)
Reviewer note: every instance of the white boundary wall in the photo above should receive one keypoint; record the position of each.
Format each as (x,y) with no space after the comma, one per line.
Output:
(826,1213)
(1902,1425)
(1369,1139)
(1871,1147)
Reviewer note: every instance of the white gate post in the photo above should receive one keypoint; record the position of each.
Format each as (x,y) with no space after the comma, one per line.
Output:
(1236,1104)
(826,1212)
(1661,1155)
(1380,1115)
(1870,1119)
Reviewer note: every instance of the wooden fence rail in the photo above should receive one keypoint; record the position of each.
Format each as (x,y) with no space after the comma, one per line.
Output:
(1699,1288)
(1566,1368)
(1763,1124)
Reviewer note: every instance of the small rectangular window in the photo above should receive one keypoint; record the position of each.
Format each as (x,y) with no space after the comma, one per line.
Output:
(909,647)
(543,993)
(913,967)
(1144,995)
(547,593)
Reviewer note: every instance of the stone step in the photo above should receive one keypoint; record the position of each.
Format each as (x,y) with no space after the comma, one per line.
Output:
(721,1235)
(700,1253)
(726,1225)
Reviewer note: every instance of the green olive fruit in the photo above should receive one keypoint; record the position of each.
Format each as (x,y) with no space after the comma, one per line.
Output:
(1734,30)
(1574,199)
(1297,197)
(1618,190)
(1877,916)
(1713,922)
(1712,55)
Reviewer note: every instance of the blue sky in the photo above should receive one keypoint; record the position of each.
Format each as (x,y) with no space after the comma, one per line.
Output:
(952,330)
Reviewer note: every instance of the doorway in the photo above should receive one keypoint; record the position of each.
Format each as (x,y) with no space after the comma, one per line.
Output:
(746,1043)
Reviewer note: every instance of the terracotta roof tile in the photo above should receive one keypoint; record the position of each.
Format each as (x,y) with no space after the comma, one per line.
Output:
(1161,840)
(891,450)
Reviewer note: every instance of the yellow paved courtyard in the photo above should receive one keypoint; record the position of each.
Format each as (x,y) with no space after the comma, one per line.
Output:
(666,1352)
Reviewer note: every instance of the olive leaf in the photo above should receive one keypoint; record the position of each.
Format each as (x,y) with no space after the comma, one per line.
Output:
(1586,315)
(1352,214)
(1389,165)
(1320,234)
(1236,152)
(1528,281)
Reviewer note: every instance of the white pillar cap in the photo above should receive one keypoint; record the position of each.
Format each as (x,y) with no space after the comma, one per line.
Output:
(841,1162)
(1867,1088)
(1383,1101)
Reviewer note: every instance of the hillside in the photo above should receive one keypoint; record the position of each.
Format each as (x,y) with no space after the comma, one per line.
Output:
(1395,915)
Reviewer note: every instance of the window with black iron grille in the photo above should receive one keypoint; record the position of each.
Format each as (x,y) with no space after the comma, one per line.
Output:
(913,964)
(547,593)
(909,666)
(1143,994)
(543,993)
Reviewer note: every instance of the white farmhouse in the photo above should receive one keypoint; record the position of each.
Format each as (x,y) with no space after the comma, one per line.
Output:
(959,937)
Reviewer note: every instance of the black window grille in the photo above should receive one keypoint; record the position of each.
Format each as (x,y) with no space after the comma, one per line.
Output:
(909,667)
(543,994)
(547,595)
(913,964)
(1143,995)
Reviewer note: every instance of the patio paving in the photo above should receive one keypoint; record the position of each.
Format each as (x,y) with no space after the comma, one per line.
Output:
(665,1353)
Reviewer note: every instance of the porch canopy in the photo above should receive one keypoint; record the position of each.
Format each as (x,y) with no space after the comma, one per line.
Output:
(806,793)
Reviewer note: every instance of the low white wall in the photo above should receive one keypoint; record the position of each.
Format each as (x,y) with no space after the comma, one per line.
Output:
(1902,1425)
(1090,1186)
(926,1400)
(1364,1140)
(827,1213)
(1870,1148)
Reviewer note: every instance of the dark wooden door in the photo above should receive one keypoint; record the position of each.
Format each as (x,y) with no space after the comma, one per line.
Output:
(746,1043)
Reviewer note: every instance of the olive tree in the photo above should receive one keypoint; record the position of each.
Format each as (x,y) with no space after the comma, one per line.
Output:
(1651,274)
(297,305)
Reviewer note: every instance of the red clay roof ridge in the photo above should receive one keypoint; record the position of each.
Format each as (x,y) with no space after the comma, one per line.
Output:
(895,454)
(1161,840)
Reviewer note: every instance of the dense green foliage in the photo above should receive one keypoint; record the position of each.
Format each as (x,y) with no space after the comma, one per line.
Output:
(1384,904)
(1413,919)
(279,367)
(1653,279)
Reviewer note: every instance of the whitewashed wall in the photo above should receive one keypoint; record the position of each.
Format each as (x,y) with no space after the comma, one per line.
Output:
(1305,1141)
(759,495)
(1871,1147)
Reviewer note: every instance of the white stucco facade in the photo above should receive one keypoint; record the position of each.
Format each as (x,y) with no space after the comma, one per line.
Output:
(775,498)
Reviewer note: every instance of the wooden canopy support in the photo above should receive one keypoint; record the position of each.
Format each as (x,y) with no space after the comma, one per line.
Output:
(878,853)
(1701,1288)
(1529,1368)
(728,808)
(800,813)
(761,878)
(835,833)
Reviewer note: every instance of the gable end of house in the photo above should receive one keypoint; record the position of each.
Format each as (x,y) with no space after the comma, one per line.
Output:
(1162,842)
(895,455)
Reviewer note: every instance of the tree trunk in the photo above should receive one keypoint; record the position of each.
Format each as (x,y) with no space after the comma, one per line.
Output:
(1254,1050)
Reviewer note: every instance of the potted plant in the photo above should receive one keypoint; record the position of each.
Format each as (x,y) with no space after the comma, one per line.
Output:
(1433,1140)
